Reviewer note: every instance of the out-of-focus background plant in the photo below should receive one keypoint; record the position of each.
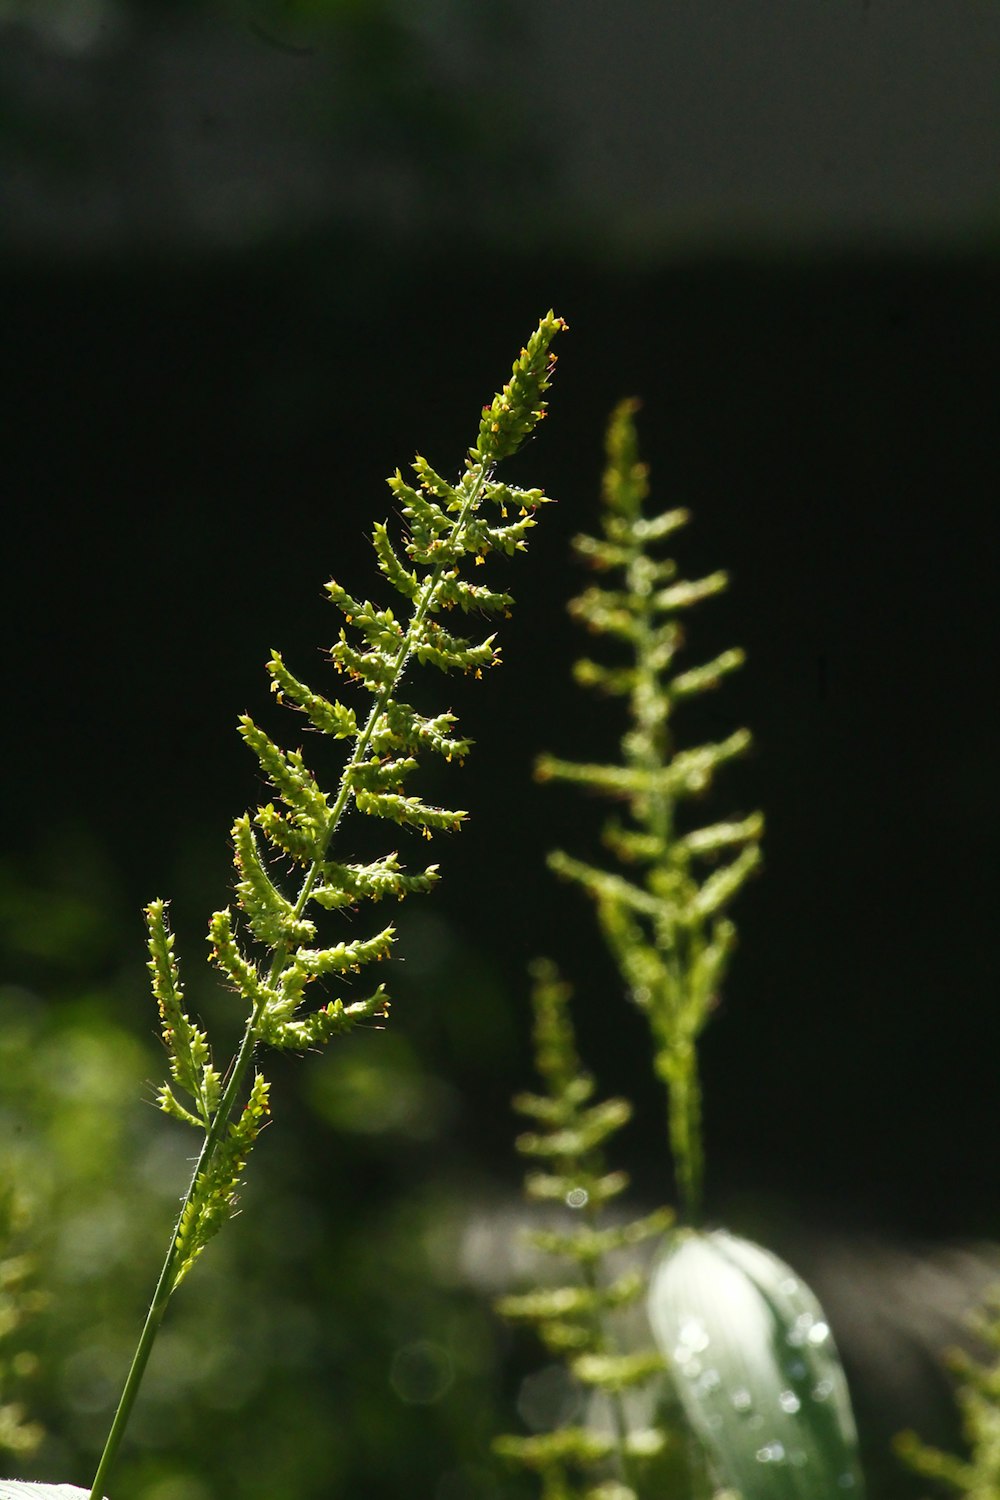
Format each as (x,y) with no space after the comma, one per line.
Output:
(336,1332)
(231,238)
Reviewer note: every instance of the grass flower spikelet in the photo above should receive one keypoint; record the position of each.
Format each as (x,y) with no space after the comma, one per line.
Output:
(268,946)
(575,1319)
(662,915)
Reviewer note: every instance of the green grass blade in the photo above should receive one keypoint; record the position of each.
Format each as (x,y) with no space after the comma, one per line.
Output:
(756,1369)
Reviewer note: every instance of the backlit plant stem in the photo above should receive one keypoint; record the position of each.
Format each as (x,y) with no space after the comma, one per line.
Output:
(443,529)
(663,919)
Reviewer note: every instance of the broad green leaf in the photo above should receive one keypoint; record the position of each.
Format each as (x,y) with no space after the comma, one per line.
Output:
(756,1369)
(21,1489)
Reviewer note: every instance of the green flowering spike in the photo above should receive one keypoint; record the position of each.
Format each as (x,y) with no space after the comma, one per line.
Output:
(756,1369)
(288,775)
(977,1394)
(380,628)
(416,506)
(576,1319)
(167,989)
(346,885)
(409,810)
(315,1030)
(665,922)
(606,613)
(451,653)
(659,527)
(632,846)
(403,582)
(979,1479)
(618,781)
(683,595)
(349,607)
(584,1244)
(482,538)
(431,483)
(271,915)
(616,682)
(227,956)
(547,1305)
(212,1199)
(601,555)
(625,484)
(691,771)
(721,886)
(400,727)
(722,836)
(557,1304)
(425,546)
(210,1089)
(597,1189)
(433,540)
(187,1046)
(302,844)
(561,1108)
(167,1100)
(616,1372)
(470,596)
(576,1445)
(371,670)
(687,684)
(590,1129)
(329,718)
(520,405)
(381,775)
(511,497)
(613,892)
(344,958)
(269,948)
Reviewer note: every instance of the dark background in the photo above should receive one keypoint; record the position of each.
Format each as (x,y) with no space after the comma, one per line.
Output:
(197,431)
(194,449)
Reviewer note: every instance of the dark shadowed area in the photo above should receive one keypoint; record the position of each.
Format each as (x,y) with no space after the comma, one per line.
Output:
(254,258)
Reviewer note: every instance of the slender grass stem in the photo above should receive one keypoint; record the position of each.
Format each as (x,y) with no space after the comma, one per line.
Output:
(240,1066)
(650,750)
(619,1420)
(166,1280)
(680,1072)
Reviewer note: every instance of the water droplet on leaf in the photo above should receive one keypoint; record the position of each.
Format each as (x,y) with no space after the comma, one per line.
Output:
(771,1453)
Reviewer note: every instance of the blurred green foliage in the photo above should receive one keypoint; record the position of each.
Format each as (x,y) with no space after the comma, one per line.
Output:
(18,1301)
(370,98)
(336,1341)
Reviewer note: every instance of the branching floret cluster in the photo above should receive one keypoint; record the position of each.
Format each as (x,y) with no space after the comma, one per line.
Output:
(446,524)
(977,1475)
(268,945)
(575,1319)
(663,908)
(749,1353)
